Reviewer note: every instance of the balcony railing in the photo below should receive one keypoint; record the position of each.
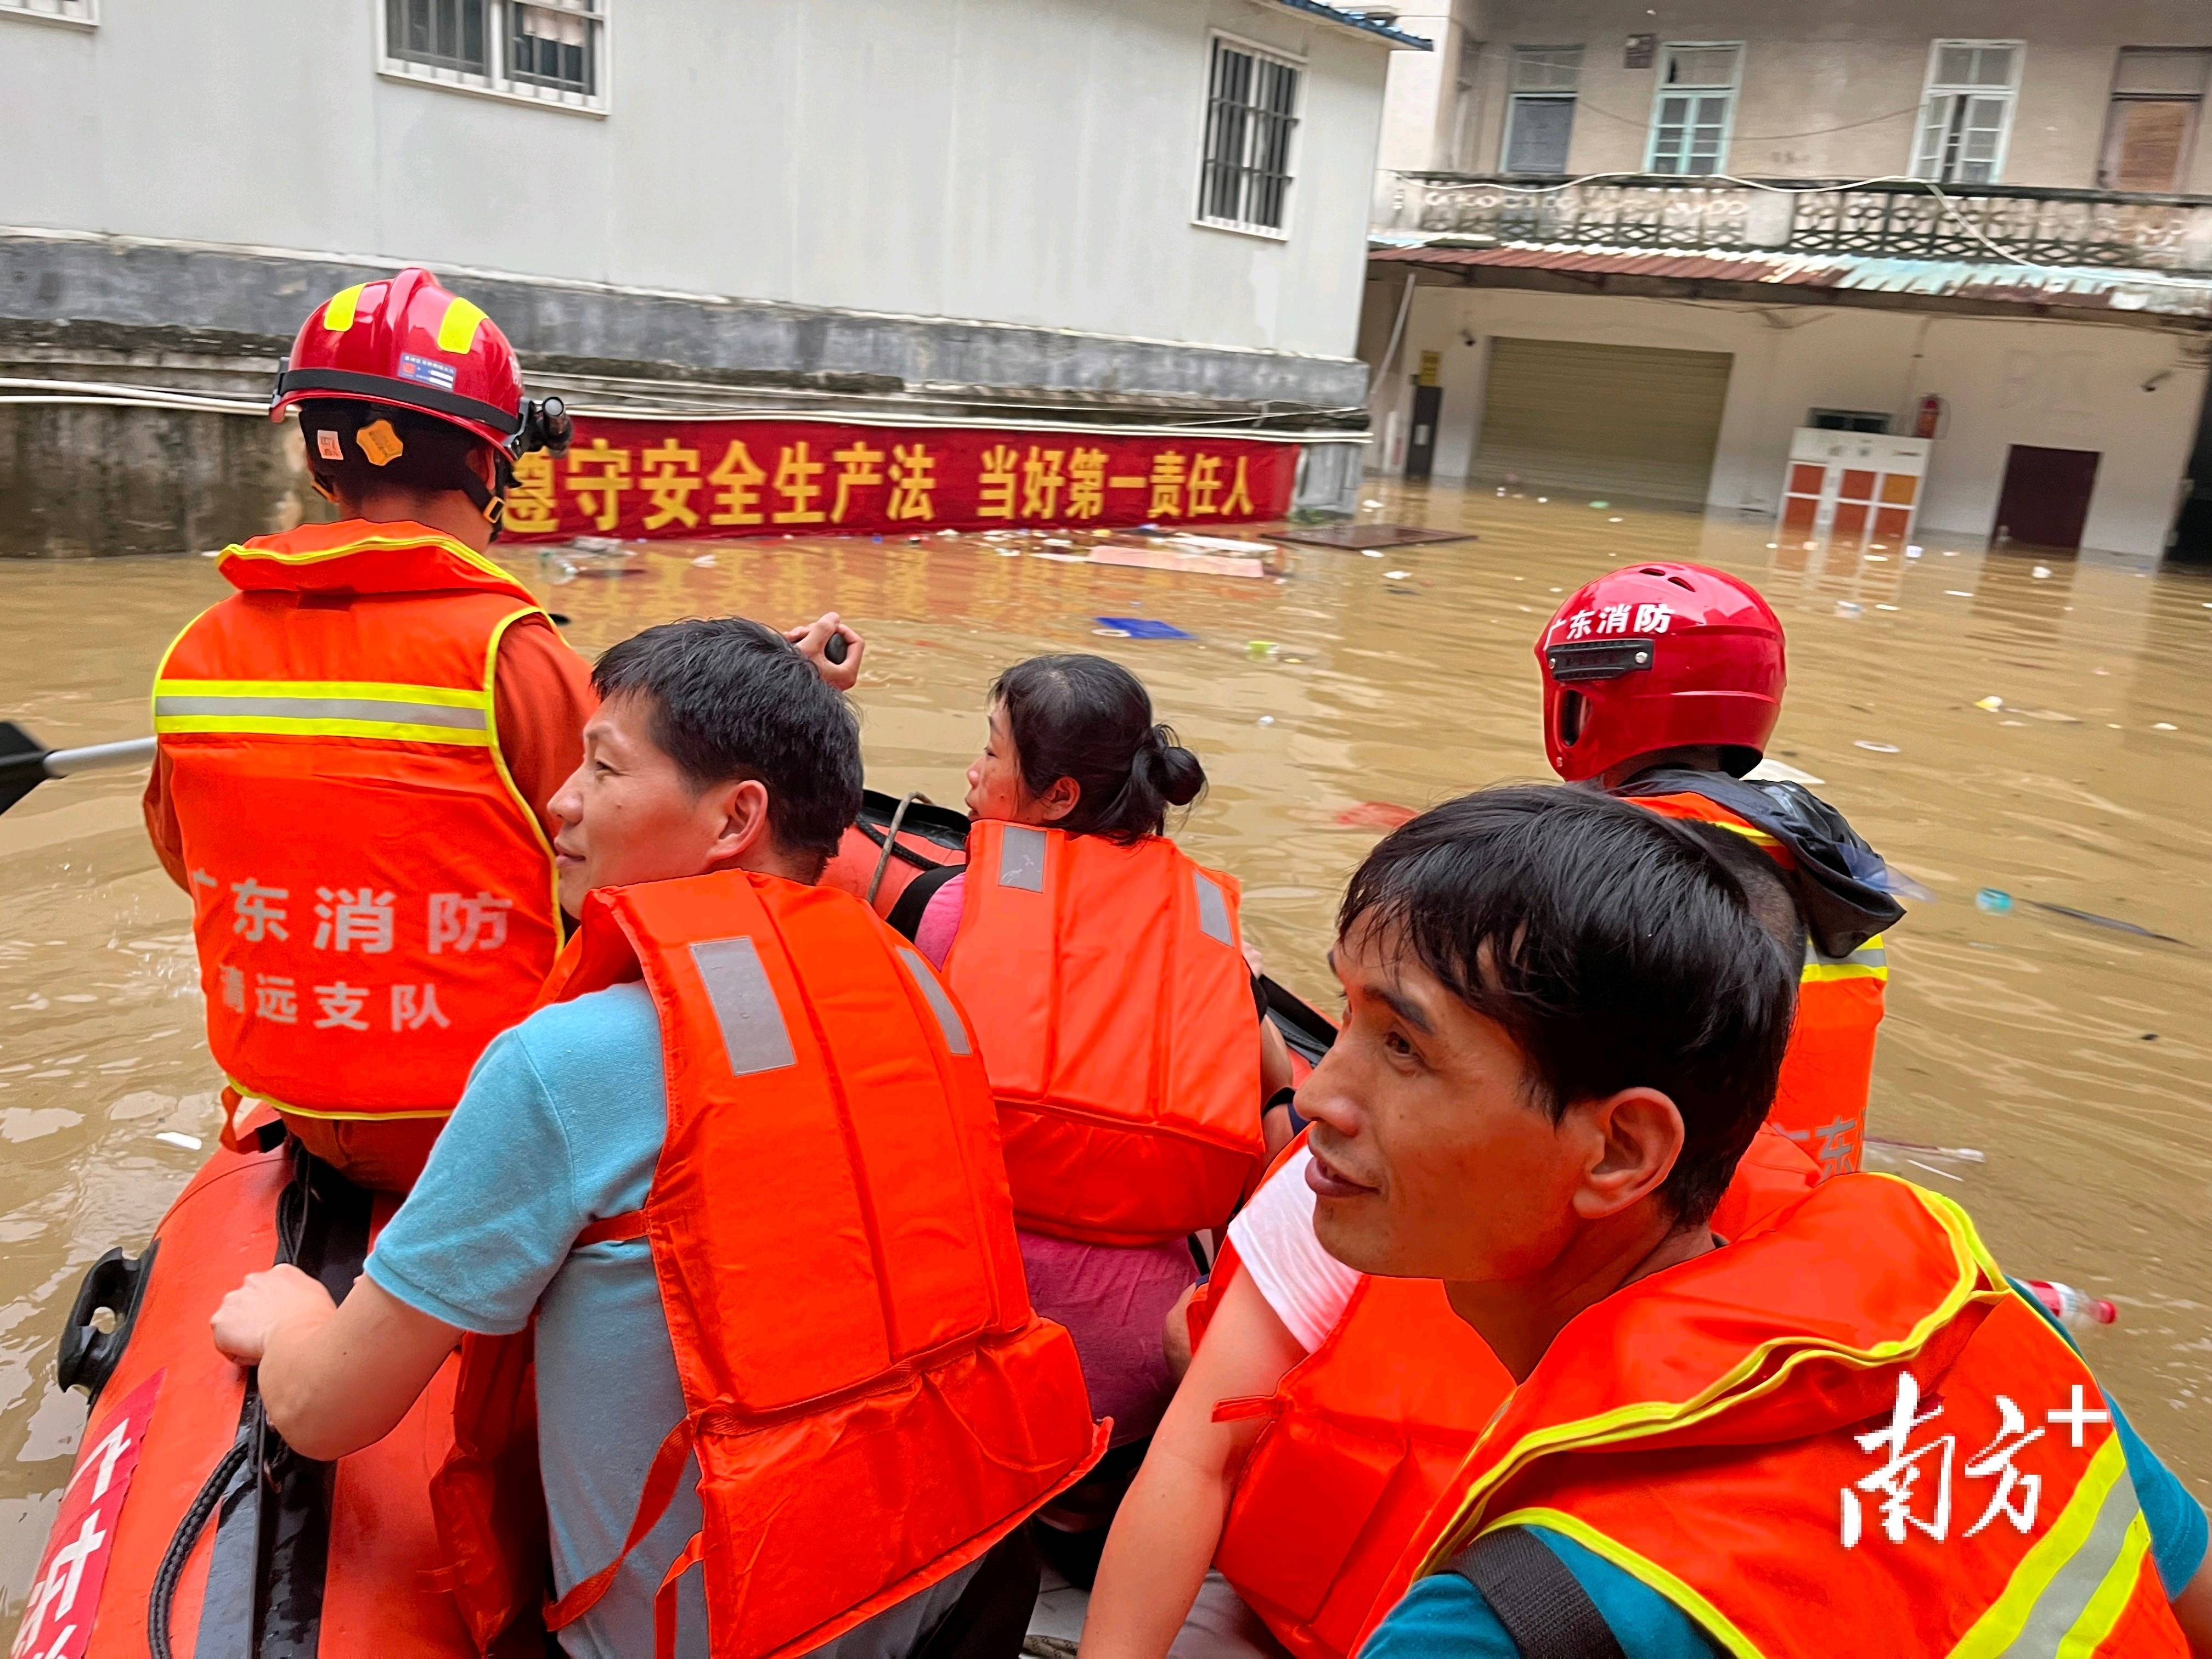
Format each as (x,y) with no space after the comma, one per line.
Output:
(1900,221)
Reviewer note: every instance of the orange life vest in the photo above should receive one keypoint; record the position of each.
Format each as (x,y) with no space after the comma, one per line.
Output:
(871,1398)
(1113,1008)
(1827,1072)
(372,899)
(1846,1423)
(1367,1431)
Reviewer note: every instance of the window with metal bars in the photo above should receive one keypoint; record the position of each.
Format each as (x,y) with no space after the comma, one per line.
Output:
(1251,120)
(1967,112)
(547,50)
(65,11)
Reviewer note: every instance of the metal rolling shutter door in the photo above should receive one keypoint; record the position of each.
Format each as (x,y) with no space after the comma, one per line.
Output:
(1615,419)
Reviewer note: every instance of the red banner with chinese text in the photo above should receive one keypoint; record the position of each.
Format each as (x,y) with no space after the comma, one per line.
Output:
(695,480)
(58,1611)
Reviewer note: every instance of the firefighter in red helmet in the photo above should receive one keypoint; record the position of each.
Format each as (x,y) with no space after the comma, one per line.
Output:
(356,748)
(1662,683)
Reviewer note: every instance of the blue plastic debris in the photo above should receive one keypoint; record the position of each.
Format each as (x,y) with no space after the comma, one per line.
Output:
(1144,628)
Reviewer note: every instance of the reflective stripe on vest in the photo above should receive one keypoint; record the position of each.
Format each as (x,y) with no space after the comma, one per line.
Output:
(2064,1588)
(342,708)
(1869,961)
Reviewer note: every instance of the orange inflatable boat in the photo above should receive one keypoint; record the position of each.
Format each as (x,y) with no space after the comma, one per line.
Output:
(189,1528)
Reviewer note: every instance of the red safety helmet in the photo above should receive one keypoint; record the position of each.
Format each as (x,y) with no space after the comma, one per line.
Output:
(405,342)
(1660,656)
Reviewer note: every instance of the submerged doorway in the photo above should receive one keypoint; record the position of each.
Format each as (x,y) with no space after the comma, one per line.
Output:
(2046,499)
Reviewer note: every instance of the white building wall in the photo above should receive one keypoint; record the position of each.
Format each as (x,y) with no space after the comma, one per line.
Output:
(1032,162)
(2065,385)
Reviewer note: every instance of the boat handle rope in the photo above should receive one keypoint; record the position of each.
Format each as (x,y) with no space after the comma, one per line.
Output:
(162,1604)
(890,841)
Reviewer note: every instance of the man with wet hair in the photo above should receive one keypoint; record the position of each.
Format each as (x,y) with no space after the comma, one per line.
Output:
(718,774)
(1564,1023)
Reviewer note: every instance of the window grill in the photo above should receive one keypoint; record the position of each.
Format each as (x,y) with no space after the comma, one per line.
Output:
(545,51)
(1251,118)
(68,11)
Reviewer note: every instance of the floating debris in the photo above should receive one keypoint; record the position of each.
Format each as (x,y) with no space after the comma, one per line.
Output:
(1376,814)
(2113,922)
(1168,557)
(1141,628)
(1878,747)
(1770,770)
(182,1142)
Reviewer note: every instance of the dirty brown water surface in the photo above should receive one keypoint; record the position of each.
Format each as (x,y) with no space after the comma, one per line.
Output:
(2072,1056)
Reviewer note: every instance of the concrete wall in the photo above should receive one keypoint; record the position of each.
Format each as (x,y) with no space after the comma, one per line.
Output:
(1422,113)
(1025,161)
(2065,385)
(1833,91)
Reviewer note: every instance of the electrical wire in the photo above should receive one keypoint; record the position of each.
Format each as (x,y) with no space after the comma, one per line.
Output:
(2121,275)
(1581,104)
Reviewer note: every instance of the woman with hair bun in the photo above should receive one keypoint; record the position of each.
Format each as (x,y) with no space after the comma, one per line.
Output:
(1103,974)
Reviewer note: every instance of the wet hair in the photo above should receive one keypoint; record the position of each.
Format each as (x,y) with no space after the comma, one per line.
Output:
(734,699)
(1615,948)
(1084,717)
(433,454)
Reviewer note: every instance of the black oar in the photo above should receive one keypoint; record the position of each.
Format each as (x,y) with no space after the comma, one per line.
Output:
(25,763)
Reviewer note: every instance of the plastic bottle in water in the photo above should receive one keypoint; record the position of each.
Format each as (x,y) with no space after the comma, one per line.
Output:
(2076,1309)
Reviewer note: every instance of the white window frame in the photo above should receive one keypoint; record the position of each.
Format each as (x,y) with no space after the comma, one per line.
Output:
(1515,98)
(499,84)
(27,10)
(1661,92)
(1931,89)
(1215,40)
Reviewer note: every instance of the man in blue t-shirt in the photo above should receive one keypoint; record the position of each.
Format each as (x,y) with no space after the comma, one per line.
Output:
(1564,1020)
(715,746)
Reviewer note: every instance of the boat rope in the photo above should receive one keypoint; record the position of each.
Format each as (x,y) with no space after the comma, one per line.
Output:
(161,1605)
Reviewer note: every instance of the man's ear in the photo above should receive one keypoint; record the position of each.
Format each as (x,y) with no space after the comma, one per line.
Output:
(1059,798)
(1634,1138)
(742,835)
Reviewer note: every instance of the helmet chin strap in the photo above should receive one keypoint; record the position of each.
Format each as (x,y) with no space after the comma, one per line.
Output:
(490,502)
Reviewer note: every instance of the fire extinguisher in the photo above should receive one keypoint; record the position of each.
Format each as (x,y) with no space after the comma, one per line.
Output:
(1929,418)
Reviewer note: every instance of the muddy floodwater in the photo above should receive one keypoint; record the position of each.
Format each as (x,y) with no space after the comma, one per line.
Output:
(2070,1057)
